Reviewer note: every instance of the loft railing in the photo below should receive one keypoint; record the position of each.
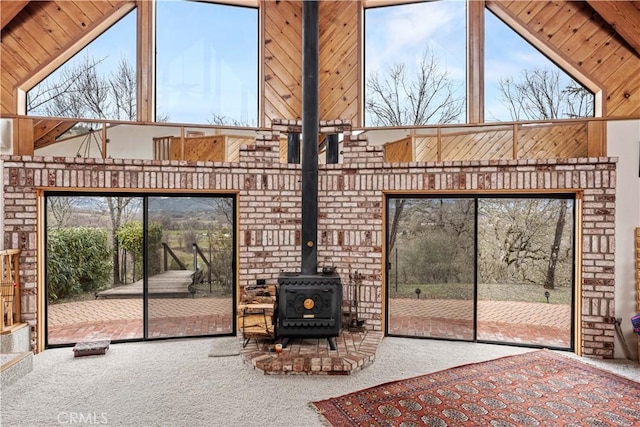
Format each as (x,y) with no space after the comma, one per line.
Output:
(62,137)
(10,288)
(496,141)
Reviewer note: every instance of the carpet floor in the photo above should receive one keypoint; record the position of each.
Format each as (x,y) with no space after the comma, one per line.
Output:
(539,388)
(175,383)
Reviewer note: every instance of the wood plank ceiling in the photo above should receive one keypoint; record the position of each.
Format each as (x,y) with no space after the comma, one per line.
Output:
(597,38)
(587,41)
(36,33)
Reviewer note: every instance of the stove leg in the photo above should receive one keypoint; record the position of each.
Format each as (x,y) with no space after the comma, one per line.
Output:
(332,343)
(285,342)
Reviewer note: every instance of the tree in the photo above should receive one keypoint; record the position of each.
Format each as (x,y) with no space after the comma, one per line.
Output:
(120,209)
(60,211)
(80,90)
(542,94)
(397,99)
(555,248)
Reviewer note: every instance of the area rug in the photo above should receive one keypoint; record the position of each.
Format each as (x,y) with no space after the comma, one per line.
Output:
(540,388)
(225,346)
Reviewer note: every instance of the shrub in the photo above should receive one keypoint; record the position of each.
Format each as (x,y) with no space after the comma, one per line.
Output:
(78,260)
(130,237)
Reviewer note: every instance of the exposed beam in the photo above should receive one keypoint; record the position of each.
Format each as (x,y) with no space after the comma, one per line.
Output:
(46,131)
(623,16)
(475,59)
(9,9)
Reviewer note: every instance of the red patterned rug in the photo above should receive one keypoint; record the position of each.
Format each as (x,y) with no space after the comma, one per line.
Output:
(540,388)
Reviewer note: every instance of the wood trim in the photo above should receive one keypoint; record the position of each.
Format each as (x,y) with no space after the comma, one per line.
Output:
(104,141)
(23,137)
(515,142)
(577,297)
(261,51)
(40,268)
(475,61)
(359,119)
(10,10)
(597,139)
(145,60)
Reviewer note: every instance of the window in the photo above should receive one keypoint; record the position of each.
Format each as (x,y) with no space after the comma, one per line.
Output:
(207,63)
(97,83)
(522,84)
(415,64)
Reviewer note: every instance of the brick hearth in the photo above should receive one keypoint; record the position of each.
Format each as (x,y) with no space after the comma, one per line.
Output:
(355,351)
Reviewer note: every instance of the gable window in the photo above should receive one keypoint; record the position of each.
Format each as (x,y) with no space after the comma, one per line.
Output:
(99,82)
(415,64)
(522,84)
(207,63)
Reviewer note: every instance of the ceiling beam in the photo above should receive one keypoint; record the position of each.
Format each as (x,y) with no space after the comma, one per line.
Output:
(623,16)
(9,9)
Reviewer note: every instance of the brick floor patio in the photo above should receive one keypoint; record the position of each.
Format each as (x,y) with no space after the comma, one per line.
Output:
(546,325)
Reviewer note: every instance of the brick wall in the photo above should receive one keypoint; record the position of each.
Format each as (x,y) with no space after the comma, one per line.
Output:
(351,202)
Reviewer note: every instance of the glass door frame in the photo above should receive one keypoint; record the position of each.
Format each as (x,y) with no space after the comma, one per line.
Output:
(144,196)
(477,197)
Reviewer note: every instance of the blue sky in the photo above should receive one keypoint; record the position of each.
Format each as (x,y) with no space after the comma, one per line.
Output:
(207,59)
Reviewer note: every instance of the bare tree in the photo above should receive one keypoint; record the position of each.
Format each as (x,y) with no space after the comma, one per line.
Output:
(555,248)
(60,211)
(542,94)
(397,99)
(82,91)
(223,120)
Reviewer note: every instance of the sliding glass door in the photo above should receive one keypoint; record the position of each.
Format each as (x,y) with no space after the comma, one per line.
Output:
(133,266)
(189,266)
(494,269)
(525,270)
(431,260)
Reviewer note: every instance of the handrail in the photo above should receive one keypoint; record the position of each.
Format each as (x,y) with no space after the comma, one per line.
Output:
(167,250)
(10,309)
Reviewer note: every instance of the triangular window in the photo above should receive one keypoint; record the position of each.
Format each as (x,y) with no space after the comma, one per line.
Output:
(99,82)
(522,84)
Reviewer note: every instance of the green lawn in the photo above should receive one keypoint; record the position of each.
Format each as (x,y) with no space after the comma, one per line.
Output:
(489,292)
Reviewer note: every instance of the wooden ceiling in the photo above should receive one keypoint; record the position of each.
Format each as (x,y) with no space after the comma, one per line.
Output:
(597,38)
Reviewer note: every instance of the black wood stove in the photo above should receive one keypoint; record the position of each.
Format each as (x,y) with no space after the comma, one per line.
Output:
(309,306)
(309,303)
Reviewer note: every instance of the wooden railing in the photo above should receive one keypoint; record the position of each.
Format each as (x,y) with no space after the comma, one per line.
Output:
(10,285)
(576,138)
(135,140)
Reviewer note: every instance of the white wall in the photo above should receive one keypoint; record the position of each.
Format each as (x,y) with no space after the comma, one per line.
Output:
(6,136)
(623,141)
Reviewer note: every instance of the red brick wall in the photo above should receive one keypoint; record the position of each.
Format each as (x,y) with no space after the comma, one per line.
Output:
(351,196)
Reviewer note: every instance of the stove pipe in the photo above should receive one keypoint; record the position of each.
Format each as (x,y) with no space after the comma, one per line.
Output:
(310,129)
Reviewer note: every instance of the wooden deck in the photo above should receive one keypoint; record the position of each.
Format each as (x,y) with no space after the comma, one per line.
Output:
(170,284)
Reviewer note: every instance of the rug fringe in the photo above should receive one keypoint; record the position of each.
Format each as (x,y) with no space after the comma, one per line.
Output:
(323,420)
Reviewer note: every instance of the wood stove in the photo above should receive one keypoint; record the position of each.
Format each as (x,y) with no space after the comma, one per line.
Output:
(309,306)
(309,303)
